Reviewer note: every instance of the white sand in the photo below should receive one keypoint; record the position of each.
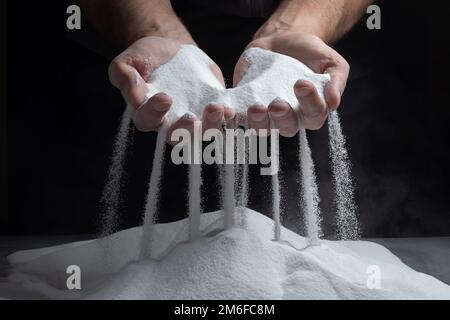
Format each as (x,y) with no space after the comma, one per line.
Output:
(188,79)
(310,193)
(110,200)
(346,218)
(231,264)
(227,173)
(153,192)
(236,263)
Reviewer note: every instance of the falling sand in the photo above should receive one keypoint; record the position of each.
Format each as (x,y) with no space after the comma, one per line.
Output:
(263,68)
(227,178)
(346,220)
(241,186)
(310,195)
(276,197)
(156,261)
(195,184)
(151,205)
(111,196)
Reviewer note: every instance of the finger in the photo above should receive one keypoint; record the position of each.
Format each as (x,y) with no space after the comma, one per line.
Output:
(258,118)
(187,121)
(229,113)
(284,117)
(312,107)
(217,73)
(150,115)
(336,86)
(128,80)
(239,70)
(244,63)
(213,116)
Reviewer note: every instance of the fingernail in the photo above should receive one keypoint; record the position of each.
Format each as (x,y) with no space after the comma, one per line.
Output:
(302,91)
(258,116)
(215,116)
(278,113)
(229,113)
(258,105)
(189,115)
(278,100)
(299,83)
(162,107)
(275,111)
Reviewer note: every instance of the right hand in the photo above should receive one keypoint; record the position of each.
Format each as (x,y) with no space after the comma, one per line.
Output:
(130,71)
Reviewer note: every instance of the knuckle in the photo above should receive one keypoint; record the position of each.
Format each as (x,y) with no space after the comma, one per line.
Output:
(343,65)
(314,123)
(139,125)
(262,42)
(112,71)
(289,116)
(330,59)
(289,131)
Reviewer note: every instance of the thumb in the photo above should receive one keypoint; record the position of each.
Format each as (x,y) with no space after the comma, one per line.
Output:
(335,87)
(240,69)
(128,80)
(217,73)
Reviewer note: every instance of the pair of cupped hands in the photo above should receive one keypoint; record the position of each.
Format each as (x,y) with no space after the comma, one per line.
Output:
(130,71)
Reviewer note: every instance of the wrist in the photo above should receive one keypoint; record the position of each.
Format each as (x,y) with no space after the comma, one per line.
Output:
(292,17)
(176,32)
(173,30)
(143,18)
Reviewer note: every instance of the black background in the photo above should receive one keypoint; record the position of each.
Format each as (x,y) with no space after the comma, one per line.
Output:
(61,114)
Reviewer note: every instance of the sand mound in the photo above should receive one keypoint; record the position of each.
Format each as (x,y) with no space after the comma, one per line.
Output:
(231,264)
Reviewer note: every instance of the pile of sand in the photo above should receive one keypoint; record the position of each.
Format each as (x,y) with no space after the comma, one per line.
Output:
(231,264)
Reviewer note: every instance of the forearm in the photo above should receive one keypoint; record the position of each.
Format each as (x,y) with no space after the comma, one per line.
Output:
(327,19)
(125,21)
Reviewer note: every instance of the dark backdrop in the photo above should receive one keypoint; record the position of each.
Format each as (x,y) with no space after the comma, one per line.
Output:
(61,116)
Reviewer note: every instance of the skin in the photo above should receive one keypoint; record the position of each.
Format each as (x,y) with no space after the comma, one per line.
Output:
(130,71)
(321,58)
(304,30)
(151,34)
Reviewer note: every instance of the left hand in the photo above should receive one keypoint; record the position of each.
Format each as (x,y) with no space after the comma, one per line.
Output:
(317,55)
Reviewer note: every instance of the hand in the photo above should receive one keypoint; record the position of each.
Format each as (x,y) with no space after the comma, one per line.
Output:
(318,56)
(130,71)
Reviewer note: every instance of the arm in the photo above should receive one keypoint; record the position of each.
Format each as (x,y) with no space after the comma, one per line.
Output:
(152,34)
(303,29)
(125,21)
(329,20)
